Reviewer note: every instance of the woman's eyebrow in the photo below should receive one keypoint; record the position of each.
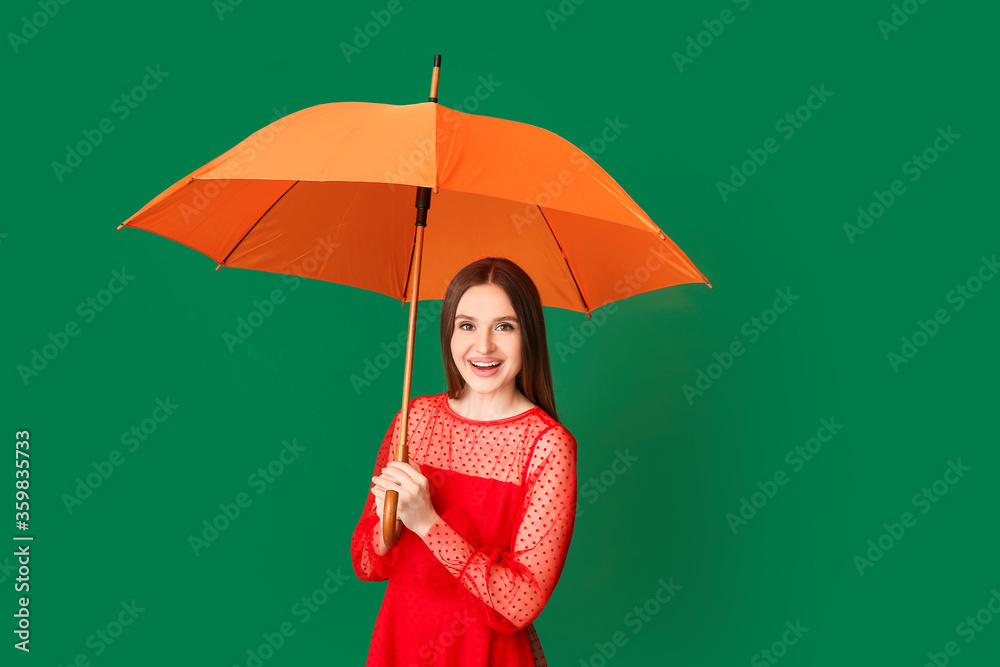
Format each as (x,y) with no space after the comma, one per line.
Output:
(466,317)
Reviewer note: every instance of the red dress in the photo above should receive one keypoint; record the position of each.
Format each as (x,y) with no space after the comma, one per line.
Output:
(466,594)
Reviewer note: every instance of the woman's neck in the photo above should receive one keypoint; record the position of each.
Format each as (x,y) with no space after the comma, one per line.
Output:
(487,407)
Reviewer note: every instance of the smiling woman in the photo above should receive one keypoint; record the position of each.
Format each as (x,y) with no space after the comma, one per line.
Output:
(492,313)
(488,493)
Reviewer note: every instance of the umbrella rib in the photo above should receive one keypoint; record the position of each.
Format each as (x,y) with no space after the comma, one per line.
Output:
(524,167)
(233,249)
(565,259)
(409,268)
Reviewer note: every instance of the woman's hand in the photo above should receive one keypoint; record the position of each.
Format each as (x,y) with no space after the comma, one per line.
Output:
(414,507)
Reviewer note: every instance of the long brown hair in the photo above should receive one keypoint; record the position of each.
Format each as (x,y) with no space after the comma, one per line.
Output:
(535,377)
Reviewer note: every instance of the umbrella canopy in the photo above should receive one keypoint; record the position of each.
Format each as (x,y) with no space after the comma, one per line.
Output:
(327,193)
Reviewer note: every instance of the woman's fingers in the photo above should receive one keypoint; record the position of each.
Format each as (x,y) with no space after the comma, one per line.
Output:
(404,470)
(406,480)
(404,476)
(414,504)
(396,478)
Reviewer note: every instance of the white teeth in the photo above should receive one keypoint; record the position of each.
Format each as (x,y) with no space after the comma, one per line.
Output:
(482,365)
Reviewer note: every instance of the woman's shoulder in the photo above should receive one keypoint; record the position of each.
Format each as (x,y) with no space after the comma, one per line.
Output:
(547,433)
(419,406)
(426,401)
(554,431)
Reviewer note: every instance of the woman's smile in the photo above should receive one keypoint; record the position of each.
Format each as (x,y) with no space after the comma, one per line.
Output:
(484,366)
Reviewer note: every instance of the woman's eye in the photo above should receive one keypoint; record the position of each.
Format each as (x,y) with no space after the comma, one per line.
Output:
(510,327)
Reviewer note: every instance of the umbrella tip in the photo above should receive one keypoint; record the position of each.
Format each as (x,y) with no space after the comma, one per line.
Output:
(120,226)
(219,266)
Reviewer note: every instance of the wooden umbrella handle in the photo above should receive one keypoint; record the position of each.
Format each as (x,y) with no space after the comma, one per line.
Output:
(392,528)
(391,533)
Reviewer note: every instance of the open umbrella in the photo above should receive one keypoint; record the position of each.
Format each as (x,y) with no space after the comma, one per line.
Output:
(342,176)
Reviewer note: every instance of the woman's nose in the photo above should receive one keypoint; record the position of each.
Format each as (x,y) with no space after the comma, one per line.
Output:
(484,342)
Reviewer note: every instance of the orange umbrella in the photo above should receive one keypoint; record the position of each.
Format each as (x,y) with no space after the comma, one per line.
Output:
(326,193)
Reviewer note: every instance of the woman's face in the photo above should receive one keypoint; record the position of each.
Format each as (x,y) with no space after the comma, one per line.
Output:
(486,331)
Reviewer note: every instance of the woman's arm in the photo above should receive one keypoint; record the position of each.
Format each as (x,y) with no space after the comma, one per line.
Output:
(509,589)
(369,555)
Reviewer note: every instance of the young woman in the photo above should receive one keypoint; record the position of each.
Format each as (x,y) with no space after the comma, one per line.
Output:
(488,496)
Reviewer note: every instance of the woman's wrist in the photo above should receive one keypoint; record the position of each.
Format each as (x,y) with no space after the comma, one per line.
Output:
(422,531)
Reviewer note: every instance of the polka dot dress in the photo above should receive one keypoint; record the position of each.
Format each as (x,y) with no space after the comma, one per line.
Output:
(466,594)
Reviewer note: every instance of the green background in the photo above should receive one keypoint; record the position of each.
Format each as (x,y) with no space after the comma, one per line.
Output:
(665,517)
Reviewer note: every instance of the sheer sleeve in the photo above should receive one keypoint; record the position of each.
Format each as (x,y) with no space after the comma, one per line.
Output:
(509,588)
(368,565)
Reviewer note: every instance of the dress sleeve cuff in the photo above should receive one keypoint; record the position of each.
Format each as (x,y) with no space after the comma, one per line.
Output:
(379,564)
